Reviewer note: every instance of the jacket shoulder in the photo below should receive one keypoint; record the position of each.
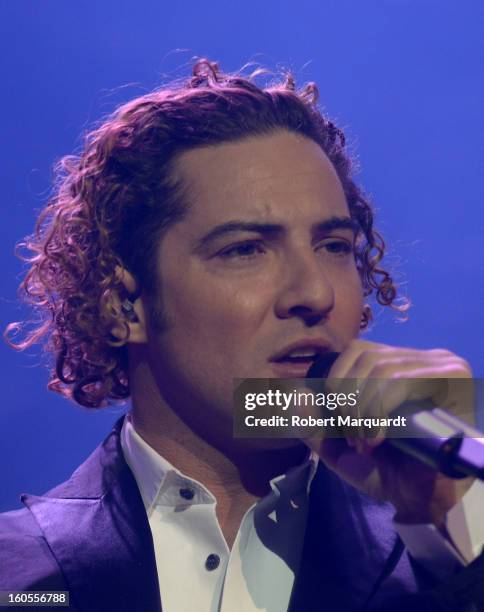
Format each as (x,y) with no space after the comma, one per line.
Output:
(26,562)
(18,522)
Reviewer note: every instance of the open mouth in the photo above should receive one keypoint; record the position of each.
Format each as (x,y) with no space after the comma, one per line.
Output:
(295,359)
(309,359)
(305,355)
(296,363)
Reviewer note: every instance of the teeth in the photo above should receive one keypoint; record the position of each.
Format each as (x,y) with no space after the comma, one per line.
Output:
(302,353)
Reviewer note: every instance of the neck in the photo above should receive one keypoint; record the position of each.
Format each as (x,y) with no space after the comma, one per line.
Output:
(227,467)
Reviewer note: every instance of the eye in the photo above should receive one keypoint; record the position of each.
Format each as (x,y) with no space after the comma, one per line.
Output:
(243,250)
(339,248)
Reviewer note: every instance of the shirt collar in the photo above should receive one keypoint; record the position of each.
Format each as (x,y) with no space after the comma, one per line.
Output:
(160,483)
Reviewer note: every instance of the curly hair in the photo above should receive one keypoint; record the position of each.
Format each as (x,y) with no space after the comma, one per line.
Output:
(113,202)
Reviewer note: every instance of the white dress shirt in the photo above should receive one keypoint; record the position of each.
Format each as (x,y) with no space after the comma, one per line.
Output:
(196,569)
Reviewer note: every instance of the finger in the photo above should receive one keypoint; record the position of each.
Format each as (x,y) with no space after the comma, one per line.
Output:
(346,359)
(360,359)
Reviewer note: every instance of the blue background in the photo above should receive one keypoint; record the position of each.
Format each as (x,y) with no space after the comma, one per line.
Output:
(403,77)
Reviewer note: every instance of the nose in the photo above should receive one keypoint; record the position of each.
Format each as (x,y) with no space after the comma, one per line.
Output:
(306,290)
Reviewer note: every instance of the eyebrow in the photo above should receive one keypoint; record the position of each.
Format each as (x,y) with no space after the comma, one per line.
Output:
(273,229)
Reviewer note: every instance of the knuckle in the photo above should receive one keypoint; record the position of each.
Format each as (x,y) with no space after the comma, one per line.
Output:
(463,366)
(368,356)
(383,370)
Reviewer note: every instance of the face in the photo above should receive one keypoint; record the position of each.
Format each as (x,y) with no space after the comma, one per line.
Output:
(260,275)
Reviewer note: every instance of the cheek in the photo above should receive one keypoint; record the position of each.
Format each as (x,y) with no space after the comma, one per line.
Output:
(349,297)
(211,313)
(207,339)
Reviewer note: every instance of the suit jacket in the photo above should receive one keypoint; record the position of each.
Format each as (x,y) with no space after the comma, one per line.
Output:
(90,536)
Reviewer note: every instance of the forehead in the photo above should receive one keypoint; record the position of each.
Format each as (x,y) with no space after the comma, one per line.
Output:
(277,177)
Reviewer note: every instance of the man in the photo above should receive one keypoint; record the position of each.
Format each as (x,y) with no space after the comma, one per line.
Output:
(212,231)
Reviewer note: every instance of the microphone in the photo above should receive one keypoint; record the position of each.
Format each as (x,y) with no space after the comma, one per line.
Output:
(435,437)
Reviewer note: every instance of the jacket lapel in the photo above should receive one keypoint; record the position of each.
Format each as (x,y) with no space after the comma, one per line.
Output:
(348,546)
(96,527)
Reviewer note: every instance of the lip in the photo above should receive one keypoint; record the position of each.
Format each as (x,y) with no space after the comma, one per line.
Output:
(291,370)
(319,346)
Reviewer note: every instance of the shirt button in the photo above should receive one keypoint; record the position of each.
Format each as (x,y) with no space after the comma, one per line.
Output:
(186,493)
(212,562)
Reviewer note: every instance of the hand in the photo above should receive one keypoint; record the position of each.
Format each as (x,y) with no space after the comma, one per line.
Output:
(419,493)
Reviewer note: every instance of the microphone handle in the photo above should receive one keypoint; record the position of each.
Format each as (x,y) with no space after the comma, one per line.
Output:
(440,440)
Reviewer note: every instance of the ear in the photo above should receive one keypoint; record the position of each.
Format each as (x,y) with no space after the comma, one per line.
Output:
(366,317)
(129,309)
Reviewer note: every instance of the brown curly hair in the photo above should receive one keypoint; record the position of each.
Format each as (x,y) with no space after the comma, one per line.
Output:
(113,202)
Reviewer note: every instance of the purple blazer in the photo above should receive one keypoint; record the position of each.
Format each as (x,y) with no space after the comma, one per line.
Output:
(90,536)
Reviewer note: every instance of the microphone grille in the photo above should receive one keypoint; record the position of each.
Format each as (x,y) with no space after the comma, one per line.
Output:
(322,366)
